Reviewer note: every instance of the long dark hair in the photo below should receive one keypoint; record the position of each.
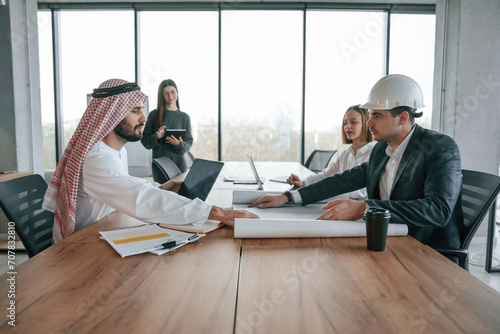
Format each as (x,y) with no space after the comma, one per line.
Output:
(161,105)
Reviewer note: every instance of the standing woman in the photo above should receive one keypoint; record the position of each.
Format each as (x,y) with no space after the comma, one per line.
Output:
(167,115)
(354,132)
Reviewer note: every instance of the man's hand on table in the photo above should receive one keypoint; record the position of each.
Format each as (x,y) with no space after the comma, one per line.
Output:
(227,216)
(344,209)
(270,201)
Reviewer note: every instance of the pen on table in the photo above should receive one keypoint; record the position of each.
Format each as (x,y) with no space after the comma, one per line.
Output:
(168,244)
(195,238)
(173,243)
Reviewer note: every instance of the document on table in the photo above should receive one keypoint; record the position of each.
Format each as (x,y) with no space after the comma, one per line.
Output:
(143,239)
(207,227)
(297,221)
(280,179)
(243,179)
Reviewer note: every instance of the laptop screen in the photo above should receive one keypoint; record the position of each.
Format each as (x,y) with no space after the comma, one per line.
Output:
(254,171)
(200,179)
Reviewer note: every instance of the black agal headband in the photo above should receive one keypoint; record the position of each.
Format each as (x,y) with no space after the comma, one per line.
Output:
(110,91)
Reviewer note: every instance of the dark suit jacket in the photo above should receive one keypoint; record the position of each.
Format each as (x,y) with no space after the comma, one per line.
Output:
(426,193)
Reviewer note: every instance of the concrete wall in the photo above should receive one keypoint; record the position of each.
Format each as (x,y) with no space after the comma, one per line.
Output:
(467,82)
(21,146)
(8,160)
(21,127)
(477,118)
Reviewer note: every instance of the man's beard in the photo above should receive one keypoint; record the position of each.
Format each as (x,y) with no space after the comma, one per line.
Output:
(124,130)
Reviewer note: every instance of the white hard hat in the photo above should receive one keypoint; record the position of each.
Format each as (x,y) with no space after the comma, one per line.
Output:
(395,90)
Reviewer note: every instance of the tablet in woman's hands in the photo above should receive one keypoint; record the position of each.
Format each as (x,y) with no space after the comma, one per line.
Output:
(174,132)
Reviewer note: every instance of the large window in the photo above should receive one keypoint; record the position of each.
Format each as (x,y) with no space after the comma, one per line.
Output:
(345,57)
(183,46)
(412,53)
(244,73)
(261,84)
(91,54)
(47,89)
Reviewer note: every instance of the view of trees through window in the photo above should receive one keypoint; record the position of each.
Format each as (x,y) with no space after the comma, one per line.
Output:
(261,84)
(269,78)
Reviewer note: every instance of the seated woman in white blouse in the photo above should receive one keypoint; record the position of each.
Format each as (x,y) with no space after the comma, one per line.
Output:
(355,133)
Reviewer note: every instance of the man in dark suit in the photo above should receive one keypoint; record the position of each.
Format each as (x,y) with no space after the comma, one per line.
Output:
(413,172)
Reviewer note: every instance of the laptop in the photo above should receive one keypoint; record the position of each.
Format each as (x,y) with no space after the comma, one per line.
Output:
(200,179)
(260,186)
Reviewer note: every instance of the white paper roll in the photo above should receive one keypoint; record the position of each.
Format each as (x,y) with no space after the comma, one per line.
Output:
(290,228)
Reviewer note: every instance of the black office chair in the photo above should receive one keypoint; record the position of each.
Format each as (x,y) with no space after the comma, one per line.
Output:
(21,200)
(319,159)
(479,191)
(189,157)
(167,166)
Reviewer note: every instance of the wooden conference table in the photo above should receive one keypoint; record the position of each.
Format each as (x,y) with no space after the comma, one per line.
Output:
(226,285)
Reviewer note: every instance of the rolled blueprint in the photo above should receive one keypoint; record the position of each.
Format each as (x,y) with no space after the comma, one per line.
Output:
(296,221)
(298,228)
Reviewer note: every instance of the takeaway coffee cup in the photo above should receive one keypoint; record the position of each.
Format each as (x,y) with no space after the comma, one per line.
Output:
(377,222)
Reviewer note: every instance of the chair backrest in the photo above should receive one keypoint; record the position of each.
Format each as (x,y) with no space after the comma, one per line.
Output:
(319,159)
(167,166)
(21,200)
(189,157)
(479,191)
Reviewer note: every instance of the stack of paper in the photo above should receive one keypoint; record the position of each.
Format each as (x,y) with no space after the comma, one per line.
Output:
(208,226)
(243,179)
(143,239)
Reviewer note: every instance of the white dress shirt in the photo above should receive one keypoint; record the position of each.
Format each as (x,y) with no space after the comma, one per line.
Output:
(391,167)
(345,161)
(106,186)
